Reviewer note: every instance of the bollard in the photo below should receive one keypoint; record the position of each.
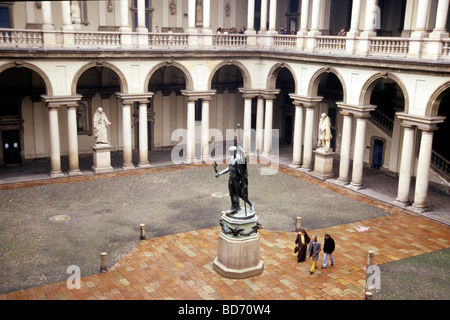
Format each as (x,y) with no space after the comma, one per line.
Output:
(368,295)
(370,258)
(142,226)
(103,262)
(299,223)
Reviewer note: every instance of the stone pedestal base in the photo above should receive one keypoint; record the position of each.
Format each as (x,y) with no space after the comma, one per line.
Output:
(239,247)
(323,164)
(102,158)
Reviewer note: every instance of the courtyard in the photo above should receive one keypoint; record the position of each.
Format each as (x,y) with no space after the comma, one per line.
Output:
(48,226)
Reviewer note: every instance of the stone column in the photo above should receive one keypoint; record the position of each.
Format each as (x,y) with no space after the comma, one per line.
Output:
(354,26)
(191,16)
(423,169)
(205,129)
(47,17)
(66,19)
(260,125)
(315,16)
(309,128)
(126,128)
(141,27)
(207,16)
(263,18)
(143,135)
(369,24)
(344,162)
(250,15)
(304,17)
(358,154)
(421,21)
(55,153)
(269,96)
(74,168)
(190,139)
(298,136)
(272,16)
(404,179)
(440,30)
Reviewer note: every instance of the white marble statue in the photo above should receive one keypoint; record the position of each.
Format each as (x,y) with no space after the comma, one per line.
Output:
(325,132)
(101,124)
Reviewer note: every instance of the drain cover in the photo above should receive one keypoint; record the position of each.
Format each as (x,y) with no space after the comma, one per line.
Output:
(60,218)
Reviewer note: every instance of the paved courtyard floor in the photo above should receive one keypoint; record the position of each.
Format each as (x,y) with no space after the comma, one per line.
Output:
(49,225)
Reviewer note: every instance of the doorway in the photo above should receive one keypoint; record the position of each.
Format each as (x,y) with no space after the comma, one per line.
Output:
(12,153)
(377,156)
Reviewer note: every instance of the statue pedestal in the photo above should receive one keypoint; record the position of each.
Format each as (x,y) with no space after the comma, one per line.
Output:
(102,158)
(238,253)
(323,164)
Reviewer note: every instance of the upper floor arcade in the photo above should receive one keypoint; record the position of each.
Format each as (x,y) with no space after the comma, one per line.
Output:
(395,29)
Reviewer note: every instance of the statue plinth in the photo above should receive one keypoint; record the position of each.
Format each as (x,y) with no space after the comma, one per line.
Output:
(102,158)
(239,246)
(323,164)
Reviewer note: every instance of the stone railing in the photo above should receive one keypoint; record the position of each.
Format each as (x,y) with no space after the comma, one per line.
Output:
(168,40)
(330,43)
(387,47)
(97,39)
(440,164)
(229,40)
(21,38)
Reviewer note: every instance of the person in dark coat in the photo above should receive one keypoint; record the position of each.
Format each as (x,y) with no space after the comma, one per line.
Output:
(302,242)
(328,248)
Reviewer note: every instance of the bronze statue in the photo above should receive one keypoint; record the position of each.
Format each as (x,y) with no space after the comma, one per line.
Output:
(238,180)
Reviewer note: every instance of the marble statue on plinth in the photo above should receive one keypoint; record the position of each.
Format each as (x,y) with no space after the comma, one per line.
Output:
(325,132)
(101,124)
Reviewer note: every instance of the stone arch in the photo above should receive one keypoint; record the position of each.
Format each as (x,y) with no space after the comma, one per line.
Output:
(245,74)
(187,74)
(123,82)
(273,73)
(366,91)
(21,64)
(313,86)
(434,102)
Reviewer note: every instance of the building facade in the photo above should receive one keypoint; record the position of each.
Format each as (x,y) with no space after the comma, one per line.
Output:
(174,72)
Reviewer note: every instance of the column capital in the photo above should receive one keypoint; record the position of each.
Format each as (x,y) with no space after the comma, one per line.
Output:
(195,95)
(357,111)
(57,101)
(129,98)
(249,93)
(424,123)
(307,101)
(269,94)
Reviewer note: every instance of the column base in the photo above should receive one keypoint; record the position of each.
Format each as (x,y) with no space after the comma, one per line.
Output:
(144,165)
(128,166)
(294,165)
(76,172)
(419,209)
(401,203)
(58,174)
(355,186)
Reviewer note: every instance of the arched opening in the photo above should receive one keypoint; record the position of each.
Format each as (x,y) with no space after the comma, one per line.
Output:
(331,89)
(97,85)
(167,110)
(22,116)
(441,152)
(283,115)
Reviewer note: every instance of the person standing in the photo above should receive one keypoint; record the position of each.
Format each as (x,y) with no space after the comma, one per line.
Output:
(313,251)
(302,242)
(328,248)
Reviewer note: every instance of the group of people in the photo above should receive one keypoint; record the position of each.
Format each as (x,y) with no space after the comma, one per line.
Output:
(232,30)
(307,246)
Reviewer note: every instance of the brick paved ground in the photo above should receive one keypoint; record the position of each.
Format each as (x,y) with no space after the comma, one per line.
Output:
(179,266)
